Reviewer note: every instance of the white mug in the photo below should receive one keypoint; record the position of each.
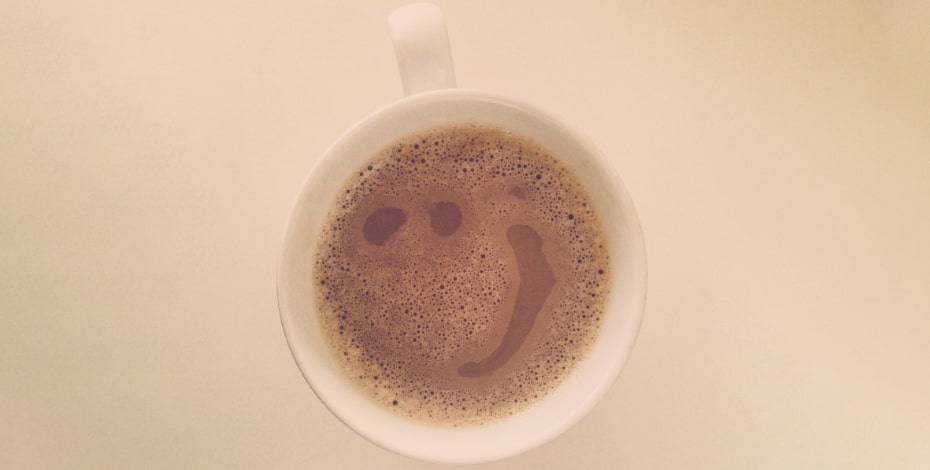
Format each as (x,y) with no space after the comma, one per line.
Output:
(425,64)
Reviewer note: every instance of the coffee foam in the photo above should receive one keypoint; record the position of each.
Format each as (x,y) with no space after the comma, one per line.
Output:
(461,275)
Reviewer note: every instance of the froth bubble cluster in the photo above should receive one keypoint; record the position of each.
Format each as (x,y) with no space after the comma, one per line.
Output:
(430,250)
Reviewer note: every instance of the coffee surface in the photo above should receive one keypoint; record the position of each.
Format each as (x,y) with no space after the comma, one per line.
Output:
(461,274)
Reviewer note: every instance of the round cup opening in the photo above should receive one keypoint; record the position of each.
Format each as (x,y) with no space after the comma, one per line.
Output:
(552,415)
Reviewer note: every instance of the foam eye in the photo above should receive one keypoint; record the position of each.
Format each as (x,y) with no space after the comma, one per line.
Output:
(382,223)
(445,218)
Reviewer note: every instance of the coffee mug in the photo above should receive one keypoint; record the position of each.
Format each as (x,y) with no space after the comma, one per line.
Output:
(432,100)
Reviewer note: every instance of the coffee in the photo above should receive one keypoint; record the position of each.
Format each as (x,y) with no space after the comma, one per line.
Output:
(462,273)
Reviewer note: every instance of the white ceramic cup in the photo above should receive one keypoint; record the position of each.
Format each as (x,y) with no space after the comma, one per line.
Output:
(426,69)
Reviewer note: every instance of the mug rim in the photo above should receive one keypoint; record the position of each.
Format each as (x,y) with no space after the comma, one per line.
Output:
(445,451)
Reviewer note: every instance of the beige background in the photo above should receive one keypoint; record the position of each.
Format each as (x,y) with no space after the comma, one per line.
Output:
(779,154)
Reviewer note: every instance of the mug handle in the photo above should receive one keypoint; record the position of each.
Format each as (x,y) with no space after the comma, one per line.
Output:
(421,45)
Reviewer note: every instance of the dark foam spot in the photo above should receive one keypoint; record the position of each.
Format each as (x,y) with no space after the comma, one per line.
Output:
(536,282)
(517,192)
(382,223)
(445,218)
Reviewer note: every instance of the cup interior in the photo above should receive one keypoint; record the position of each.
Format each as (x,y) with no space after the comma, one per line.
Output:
(576,395)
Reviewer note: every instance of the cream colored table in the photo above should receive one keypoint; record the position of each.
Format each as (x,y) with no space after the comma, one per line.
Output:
(779,156)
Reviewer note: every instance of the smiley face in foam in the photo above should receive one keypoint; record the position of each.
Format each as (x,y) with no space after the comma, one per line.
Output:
(462,275)
(536,278)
